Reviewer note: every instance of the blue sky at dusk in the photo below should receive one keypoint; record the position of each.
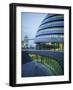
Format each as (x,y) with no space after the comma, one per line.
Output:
(30,23)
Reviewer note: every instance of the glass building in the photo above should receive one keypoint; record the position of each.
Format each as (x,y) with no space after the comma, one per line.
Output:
(50,34)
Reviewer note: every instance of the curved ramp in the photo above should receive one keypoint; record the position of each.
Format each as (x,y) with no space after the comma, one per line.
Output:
(59,55)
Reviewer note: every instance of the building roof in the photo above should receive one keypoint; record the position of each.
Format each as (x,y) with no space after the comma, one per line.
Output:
(51,29)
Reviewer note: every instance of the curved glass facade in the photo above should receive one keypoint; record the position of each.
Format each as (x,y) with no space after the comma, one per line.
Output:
(51,29)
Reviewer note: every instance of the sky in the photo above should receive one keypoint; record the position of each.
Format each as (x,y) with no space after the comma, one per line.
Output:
(30,23)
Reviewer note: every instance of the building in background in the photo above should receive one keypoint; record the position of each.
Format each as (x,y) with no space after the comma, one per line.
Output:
(24,44)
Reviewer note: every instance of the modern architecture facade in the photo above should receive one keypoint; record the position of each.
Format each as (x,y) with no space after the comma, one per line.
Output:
(50,34)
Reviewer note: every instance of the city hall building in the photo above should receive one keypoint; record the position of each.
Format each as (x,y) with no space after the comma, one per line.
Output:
(50,34)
